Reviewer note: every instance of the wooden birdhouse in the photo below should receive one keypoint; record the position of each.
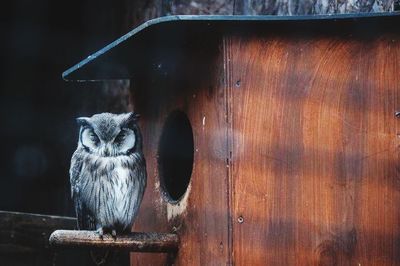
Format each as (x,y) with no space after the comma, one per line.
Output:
(268,140)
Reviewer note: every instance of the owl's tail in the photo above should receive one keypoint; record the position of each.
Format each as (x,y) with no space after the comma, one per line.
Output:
(99,257)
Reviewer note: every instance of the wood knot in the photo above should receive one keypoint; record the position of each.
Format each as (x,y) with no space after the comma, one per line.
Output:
(337,250)
(327,253)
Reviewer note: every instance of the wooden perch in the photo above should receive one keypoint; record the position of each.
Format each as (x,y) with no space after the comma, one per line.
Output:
(136,242)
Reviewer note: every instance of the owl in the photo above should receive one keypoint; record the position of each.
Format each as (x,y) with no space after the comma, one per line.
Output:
(108,173)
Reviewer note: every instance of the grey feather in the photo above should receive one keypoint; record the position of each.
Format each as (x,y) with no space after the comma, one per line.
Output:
(108,176)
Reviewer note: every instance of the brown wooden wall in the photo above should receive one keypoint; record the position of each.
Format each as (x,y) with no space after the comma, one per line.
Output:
(296,150)
(315,150)
(196,88)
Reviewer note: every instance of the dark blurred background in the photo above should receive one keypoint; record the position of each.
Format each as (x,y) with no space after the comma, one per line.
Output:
(41,39)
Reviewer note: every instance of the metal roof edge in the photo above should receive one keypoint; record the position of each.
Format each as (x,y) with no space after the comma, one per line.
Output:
(215,18)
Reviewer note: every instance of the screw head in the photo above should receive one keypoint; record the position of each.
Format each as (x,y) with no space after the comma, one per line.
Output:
(238,83)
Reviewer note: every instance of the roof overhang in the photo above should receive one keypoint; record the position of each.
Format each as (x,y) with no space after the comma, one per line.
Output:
(163,39)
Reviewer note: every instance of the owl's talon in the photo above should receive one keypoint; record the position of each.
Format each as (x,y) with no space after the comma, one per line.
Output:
(114,234)
(100,231)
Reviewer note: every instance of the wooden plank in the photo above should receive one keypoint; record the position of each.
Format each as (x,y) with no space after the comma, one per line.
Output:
(26,231)
(315,149)
(200,218)
(24,240)
(136,242)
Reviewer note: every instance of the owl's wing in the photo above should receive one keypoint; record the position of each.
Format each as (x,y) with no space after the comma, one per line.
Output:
(85,217)
(86,220)
(138,181)
(75,172)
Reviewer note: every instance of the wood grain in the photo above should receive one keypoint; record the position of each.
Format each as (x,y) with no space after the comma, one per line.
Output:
(201,217)
(25,231)
(24,240)
(315,149)
(136,241)
(296,146)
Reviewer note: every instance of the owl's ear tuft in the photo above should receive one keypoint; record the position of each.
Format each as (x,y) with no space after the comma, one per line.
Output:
(134,116)
(131,117)
(83,121)
(129,120)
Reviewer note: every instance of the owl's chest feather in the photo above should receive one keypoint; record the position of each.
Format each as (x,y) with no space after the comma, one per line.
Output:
(122,186)
(113,180)
(109,191)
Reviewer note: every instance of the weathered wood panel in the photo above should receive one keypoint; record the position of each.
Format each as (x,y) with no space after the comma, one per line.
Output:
(25,231)
(201,216)
(315,149)
(24,240)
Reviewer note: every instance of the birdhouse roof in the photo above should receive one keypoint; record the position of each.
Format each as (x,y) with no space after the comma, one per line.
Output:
(160,43)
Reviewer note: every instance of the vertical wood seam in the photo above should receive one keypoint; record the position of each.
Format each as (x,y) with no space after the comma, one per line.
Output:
(226,43)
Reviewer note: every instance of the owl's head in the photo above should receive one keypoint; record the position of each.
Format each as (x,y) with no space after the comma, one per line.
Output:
(109,135)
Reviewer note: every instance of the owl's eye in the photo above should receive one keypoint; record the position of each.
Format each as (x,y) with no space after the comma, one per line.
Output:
(89,139)
(94,138)
(125,140)
(120,137)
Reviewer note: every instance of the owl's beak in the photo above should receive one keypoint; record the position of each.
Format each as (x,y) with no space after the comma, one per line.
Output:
(107,151)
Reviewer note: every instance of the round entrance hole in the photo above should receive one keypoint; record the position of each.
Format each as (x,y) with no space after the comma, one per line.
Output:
(175,155)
